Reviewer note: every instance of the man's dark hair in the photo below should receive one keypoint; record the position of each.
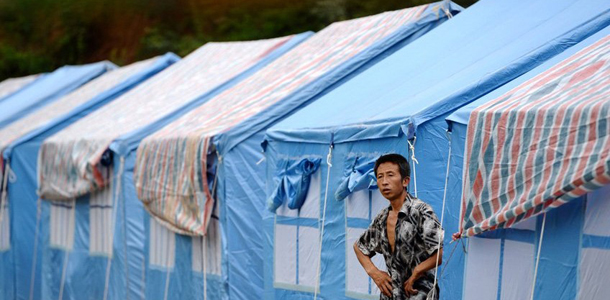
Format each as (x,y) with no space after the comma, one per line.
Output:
(399,160)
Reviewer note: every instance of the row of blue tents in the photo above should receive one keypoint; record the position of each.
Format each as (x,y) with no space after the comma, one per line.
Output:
(174,178)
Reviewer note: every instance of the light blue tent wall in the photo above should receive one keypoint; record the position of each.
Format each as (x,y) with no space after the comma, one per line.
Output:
(48,89)
(126,274)
(181,279)
(408,95)
(508,255)
(22,155)
(242,181)
(242,201)
(43,90)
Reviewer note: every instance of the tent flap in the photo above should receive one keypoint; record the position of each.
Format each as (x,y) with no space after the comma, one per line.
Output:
(540,145)
(359,175)
(292,182)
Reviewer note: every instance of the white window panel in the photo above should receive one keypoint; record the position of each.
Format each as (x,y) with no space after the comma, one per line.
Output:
(528,224)
(309,251)
(357,281)
(284,211)
(285,254)
(378,203)
(62,224)
(597,221)
(517,270)
(5,228)
(212,250)
(100,222)
(593,273)
(162,248)
(311,206)
(358,204)
(482,269)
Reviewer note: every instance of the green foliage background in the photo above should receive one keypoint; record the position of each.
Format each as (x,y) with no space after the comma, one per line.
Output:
(41,35)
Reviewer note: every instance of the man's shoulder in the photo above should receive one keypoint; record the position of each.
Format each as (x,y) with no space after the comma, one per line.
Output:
(420,205)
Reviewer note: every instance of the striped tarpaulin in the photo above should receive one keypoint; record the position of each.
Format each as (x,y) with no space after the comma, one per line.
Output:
(12,85)
(171,166)
(67,103)
(540,145)
(69,161)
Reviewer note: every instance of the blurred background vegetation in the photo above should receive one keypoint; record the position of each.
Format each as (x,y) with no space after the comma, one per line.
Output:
(41,35)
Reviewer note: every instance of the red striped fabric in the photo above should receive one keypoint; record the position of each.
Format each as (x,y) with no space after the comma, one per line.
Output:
(27,124)
(170,171)
(69,161)
(540,145)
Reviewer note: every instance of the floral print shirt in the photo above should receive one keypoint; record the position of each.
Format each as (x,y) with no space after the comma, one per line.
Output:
(416,239)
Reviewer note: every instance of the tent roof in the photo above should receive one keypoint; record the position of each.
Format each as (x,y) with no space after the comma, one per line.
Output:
(489,44)
(462,115)
(542,143)
(69,160)
(68,103)
(48,89)
(298,76)
(12,85)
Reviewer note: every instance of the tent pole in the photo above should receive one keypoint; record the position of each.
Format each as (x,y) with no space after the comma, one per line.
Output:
(329,159)
(440,237)
(35,254)
(114,217)
(413,161)
(538,256)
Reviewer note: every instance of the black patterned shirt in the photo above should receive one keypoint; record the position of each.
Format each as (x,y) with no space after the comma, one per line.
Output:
(416,239)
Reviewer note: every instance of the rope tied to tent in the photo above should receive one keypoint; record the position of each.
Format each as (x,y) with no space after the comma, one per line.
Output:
(114,217)
(67,256)
(445,8)
(414,161)
(3,197)
(204,256)
(538,256)
(203,237)
(329,159)
(35,254)
(443,213)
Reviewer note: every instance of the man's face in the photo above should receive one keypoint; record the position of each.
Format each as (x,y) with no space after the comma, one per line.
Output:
(391,186)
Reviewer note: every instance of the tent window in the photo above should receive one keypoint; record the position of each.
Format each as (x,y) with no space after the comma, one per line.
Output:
(482,269)
(297,244)
(212,250)
(162,248)
(5,230)
(595,252)
(361,208)
(504,260)
(100,222)
(62,224)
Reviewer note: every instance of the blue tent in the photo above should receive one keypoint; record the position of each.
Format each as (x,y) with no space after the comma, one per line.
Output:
(575,243)
(402,100)
(48,89)
(21,141)
(104,246)
(12,85)
(239,260)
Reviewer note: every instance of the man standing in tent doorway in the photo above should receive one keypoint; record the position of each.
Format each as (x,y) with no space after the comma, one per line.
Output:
(407,233)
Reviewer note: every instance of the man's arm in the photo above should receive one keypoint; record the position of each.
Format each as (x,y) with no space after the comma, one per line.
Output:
(421,269)
(382,279)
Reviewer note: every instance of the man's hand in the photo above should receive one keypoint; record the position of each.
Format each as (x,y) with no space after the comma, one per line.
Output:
(383,282)
(409,286)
